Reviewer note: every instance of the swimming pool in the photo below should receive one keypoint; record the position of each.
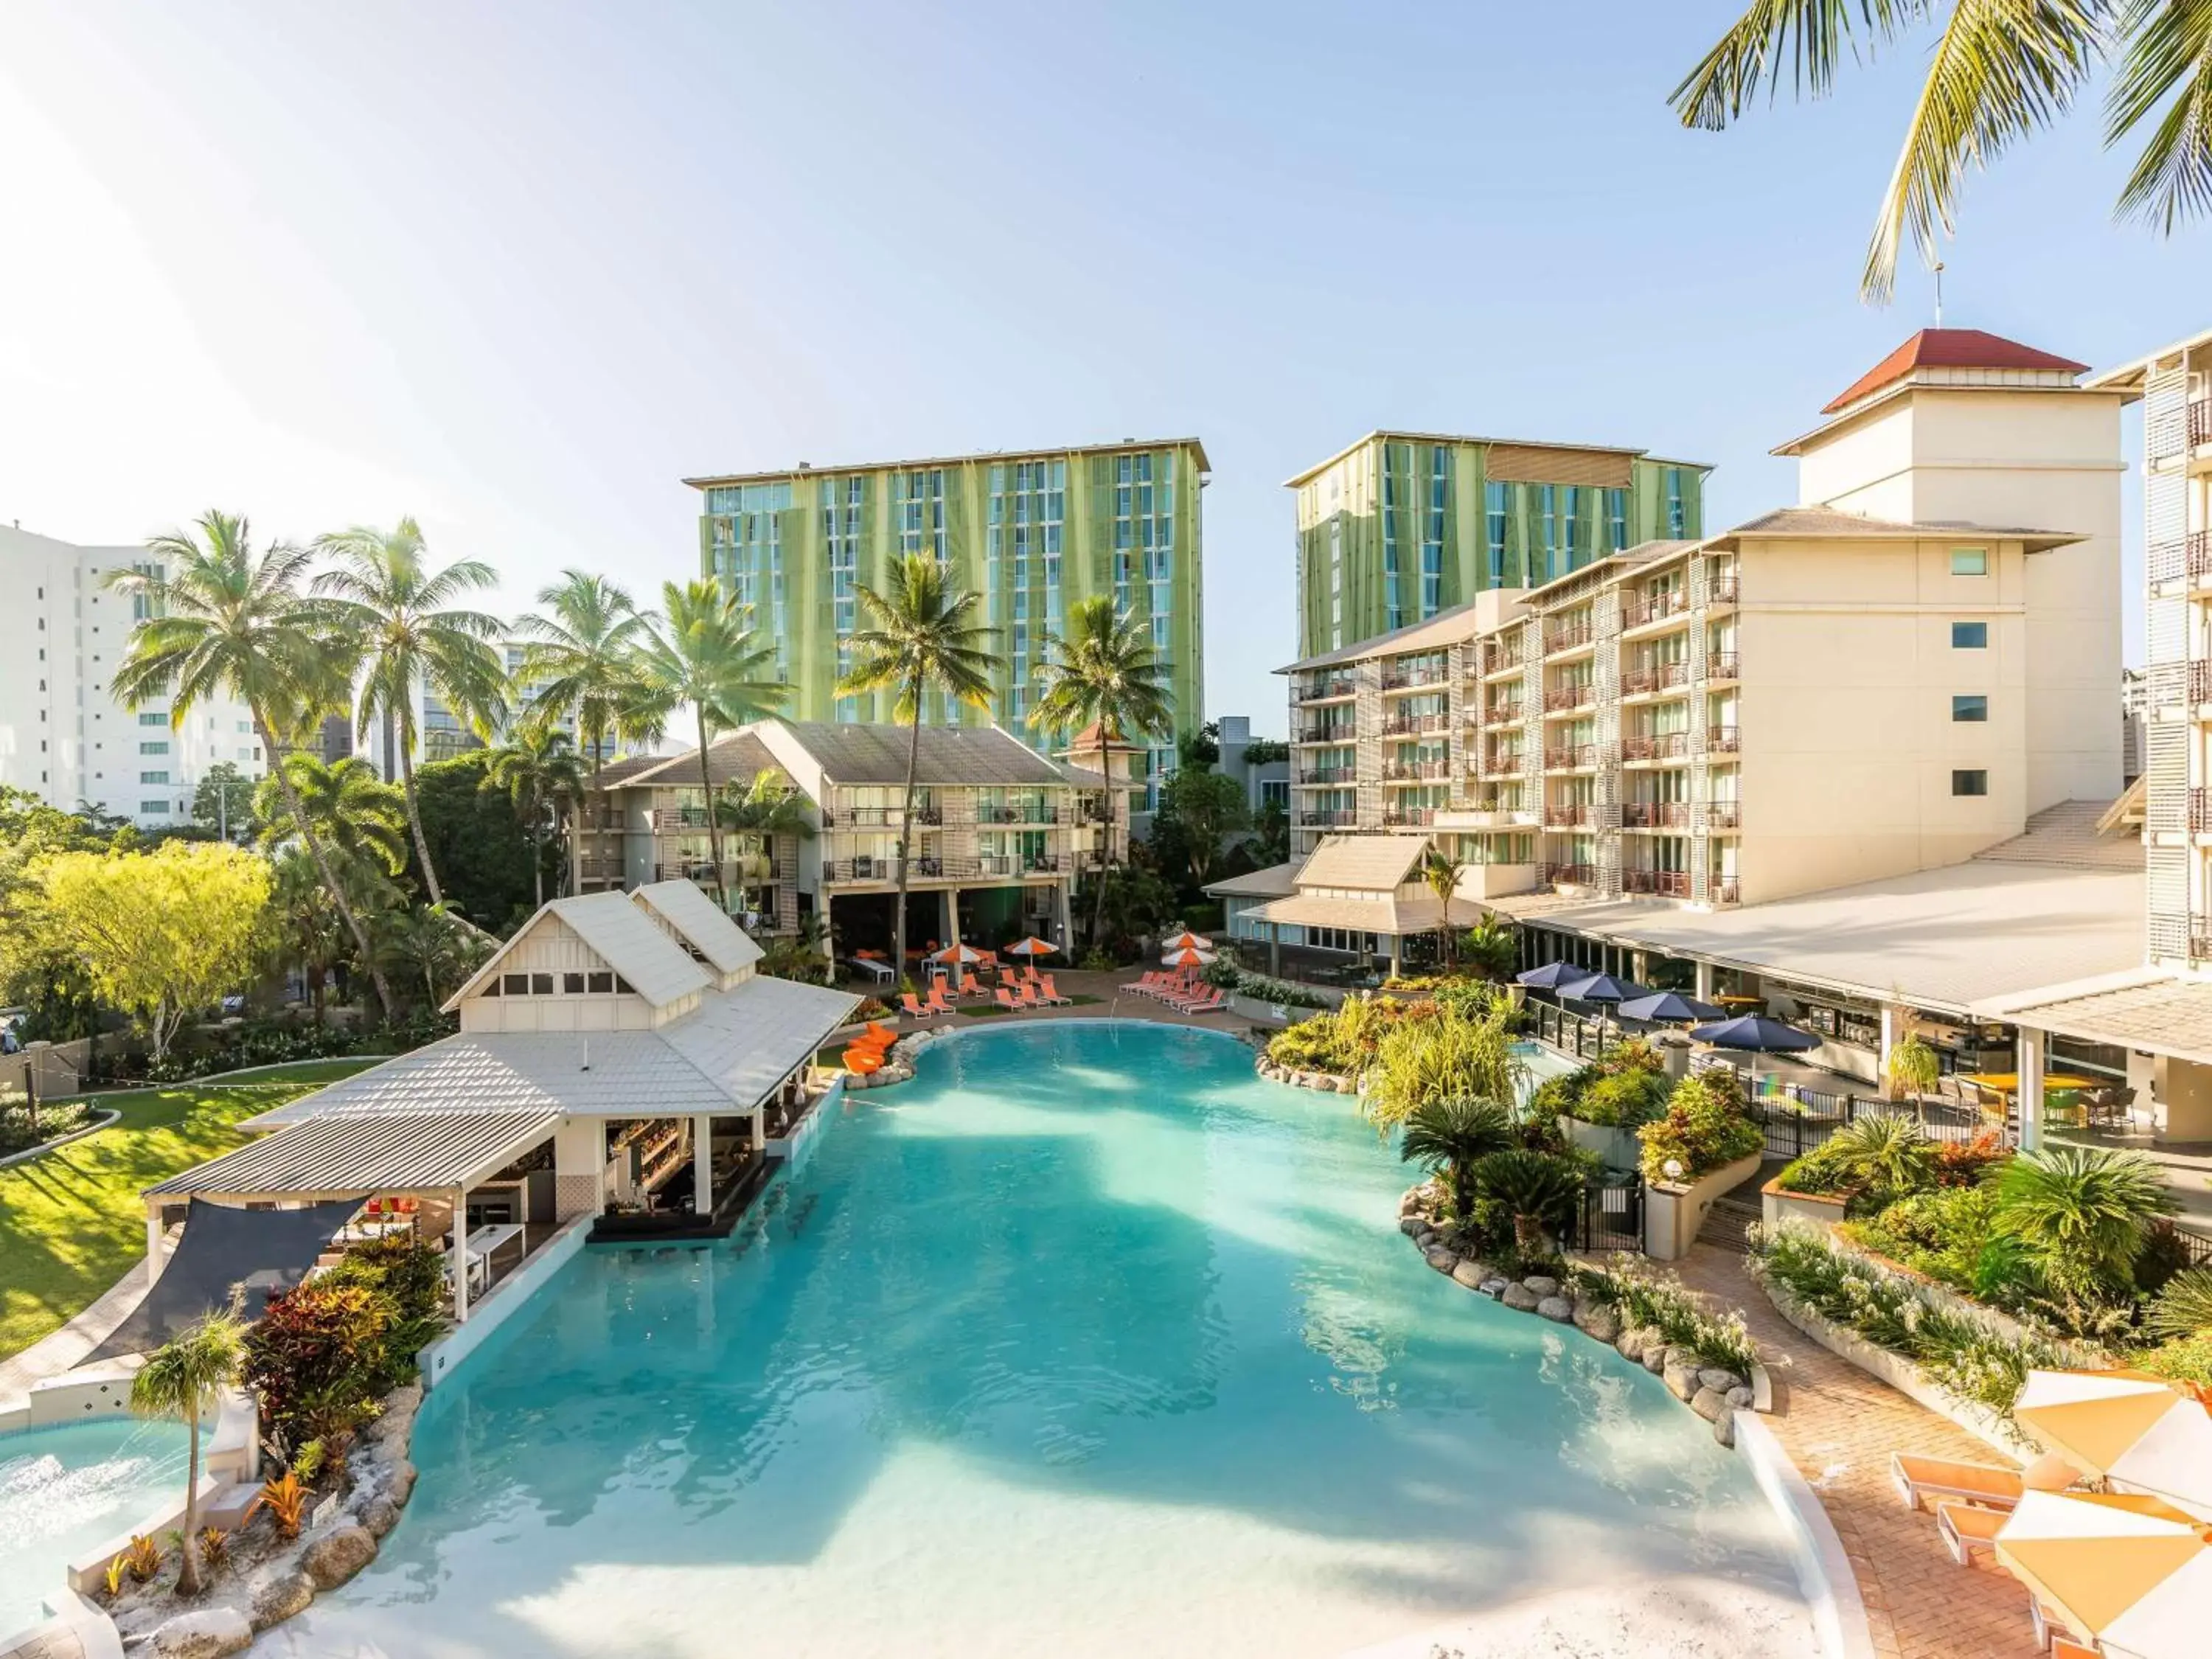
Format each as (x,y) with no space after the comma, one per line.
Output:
(1085,1342)
(67,1488)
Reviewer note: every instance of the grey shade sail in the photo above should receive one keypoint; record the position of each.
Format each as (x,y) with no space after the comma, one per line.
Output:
(258,1252)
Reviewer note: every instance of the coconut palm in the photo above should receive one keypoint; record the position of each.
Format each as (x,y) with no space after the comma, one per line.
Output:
(307,923)
(1440,873)
(541,772)
(222,618)
(1104,675)
(183,1379)
(760,812)
(921,637)
(2083,1212)
(581,667)
(1450,1137)
(1492,945)
(1540,1189)
(359,817)
(2001,71)
(409,635)
(1913,1066)
(430,941)
(702,650)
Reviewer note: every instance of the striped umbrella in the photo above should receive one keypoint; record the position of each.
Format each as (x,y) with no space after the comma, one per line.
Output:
(1190,956)
(1186,940)
(1032,946)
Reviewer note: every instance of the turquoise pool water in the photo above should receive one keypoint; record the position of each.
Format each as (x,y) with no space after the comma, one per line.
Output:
(1086,1342)
(67,1488)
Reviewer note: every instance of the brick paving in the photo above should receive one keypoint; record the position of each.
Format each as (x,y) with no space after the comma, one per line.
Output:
(1839,1426)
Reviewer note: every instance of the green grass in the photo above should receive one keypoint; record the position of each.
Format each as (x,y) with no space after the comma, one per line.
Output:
(72,1223)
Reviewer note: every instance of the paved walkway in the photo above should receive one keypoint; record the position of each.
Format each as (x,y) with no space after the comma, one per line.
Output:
(1839,1426)
(57,1351)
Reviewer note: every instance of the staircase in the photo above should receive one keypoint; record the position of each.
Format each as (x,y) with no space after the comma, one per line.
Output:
(2086,835)
(1724,1223)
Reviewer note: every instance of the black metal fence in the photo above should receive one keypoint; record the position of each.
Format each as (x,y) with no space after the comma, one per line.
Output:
(1795,1123)
(1610,1217)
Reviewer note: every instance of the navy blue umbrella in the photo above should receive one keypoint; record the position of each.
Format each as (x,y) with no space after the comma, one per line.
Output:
(1601,987)
(1547,977)
(1756,1034)
(1670,1005)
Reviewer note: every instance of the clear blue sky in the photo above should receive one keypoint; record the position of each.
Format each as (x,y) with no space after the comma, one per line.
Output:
(519,269)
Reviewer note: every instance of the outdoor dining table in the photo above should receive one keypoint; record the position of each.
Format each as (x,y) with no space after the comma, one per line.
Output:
(2005,1086)
(482,1242)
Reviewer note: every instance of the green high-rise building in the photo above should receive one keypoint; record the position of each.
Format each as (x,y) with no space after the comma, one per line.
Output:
(1033,531)
(1402,524)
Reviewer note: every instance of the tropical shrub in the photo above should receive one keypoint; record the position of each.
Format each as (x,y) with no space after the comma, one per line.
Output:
(1913,1067)
(2184,1359)
(1490,947)
(2183,1307)
(1660,1302)
(1965,1163)
(1704,1129)
(1450,1137)
(317,1359)
(1538,1190)
(1943,1234)
(1434,1053)
(1342,1042)
(1824,1171)
(285,1499)
(1886,1155)
(2082,1213)
(1625,1099)
(410,1273)
(1225,976)
(2164,1256)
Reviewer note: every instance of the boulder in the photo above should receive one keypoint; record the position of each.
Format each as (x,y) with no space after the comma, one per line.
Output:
(337,1555)
(1724,1428)
(1470,1273)
(1494,1285)
(1741,1399)
(1714,1378)
(1441,1260)
(1709,1404)
(1411,1203)
(1596,1319)
(1541,1284)
(380,1516)
(1556,1308)
(1426,1237)
(1654,1357)
(1412,1225)
(279,1594)
(202,1634)
(400,1485)
(1520,1298)
(1681,1380)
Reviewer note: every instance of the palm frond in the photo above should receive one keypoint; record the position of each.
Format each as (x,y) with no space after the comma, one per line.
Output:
(2169,51)
(1806,40)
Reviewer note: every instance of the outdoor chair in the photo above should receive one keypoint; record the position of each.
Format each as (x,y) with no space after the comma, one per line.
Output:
(1050,992)
(1026,995)
(1005,999)
(1967,1527)
(936,1004)
(1920,1478)
(969,987)
(913,1008)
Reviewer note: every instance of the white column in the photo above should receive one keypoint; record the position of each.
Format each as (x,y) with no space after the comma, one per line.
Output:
(2029,1064)
(952,920)
(1705,982)
(760,1130)
(155,1259)
(702,1166)
(460,1255)
(1639,966)
(1896,1022)
(829,937)
(1065,910)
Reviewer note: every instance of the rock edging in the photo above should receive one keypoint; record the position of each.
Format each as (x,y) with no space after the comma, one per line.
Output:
(283,1584)
(898,1062)
(1714,1393)
(1325,1082)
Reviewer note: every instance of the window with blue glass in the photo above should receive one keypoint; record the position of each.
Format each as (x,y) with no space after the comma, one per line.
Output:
(1616,519)
(1677,513)
(1975,707)
(1495,506)
(1547,525)
(1969,636)
(1571,540)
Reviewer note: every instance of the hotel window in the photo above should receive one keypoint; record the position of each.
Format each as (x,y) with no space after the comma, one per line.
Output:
(1677,515)
(1547,519)
(1976,782)
(162,748)
(1975,707)
(1394,609)
(1969,636)
(1493,512)
(1970,561)
(147,807)
(1616,519)
(153,717)
(153,777)
(1336,581)
(1433,532)
(1275,792)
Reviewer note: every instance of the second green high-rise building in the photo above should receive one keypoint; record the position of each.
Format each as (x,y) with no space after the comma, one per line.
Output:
(1032,531)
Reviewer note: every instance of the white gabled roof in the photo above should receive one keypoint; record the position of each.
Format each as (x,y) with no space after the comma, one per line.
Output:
(683,907)
(747,1040)
(627,939)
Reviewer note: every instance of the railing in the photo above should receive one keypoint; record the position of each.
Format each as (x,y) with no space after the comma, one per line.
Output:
(929,868)
(1721,739)
(1802,1120)
(1499,713)
(1496,657)
(1326,733)
(1725,890)
(2200,682)
(1722,590)
(1571,875)
(1661,745)
(1401,679)
(1569,696)
(1654,814)
(1395,771)
(1401,817)
(877,818)
(1568,757)
(1503,761)
(1326,774)
(679,818)
(1338,818)
(1724,815)
(2200,939)
(1567,635)
(1665,883)
(1721,665)
(1333,685)
(1657,608)
(2200,811)
(1573,815)
(1030,815)
(1402,724)
(1005,864)
(1655,677)
(2200,421)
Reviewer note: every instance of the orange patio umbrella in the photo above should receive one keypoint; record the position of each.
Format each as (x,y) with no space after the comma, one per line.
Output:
(1032,946)
(1188,957)
(2089,1556)
(1186,940)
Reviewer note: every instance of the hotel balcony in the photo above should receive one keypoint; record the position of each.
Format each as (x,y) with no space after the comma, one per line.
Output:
(1654,815)
(1659,677)
(1034,817)
(1655,746)
(1501,657)
(1415,771)
(1315,777)
(1567,875)
(1567,636)
(1662,884)
(1572,757)
(2200,421)
(1327,688)
(1722,590)
(1403,817)
(1341,817)
(1499,713)
(1324,734)
(1658,609)
(1723,815)
(1504,763)
(1560,699)
(879,817)
(2182,435)
(1486,817)
(1401,725)
(931,868)
(1721,740)
(1723,666)
(1726,890)
(2189,556)
(1411,679)
(1571,815)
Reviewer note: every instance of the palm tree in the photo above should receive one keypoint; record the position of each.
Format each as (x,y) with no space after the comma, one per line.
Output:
(1540,1189)
(580,666)
(1884,1154)
(2081,1212)
(307,923)
(223,618)
(768,807)
(1440,874)
(540,770)
(921,637)
(183,1379)
(702,650)
(2001,71)
(1450,1137)
(400,616)
(433,941)
(1493,945)
(356,815)
(1104,675)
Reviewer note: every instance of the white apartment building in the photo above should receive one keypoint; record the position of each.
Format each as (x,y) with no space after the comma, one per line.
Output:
(63,737)
(1890,677)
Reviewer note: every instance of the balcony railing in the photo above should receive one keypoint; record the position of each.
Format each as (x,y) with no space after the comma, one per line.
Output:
(1724,815)
(1400,679)
(2200,682)
(1665,883)
(921,867)
(1568,875)
(1005,864)
(1567,635)
(877,818)
(1654,815)
(1657,608)
(1030,815)
(1325,775)
(1405,817)
(2200,421)
(1725,890)
(1568,757)
(1325,734)
(1399,725)
(1327,685)
(1721,739)
(1721,666)
(1498,656)
(1569,696)
(1654,676)
(1500,714)
(1339,818)
(1572,815)
(1658,745)
(1399,771)
(1722,590)
(1503,760)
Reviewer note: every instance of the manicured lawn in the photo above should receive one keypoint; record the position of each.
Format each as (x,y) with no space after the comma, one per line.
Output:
(71,1223)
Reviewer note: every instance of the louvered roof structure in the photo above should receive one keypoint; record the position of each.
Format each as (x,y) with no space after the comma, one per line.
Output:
(347,1153)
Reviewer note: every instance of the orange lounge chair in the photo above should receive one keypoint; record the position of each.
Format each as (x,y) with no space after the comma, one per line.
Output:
(1919,1479)
(936,1004)
(914,1009)
(1026,995)
(969,987)
(2065,1647)
(1005,999)
(1966,1527)
(879,1032)
(1050,992)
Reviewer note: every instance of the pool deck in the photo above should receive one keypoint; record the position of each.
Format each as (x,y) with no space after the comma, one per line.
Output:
(1839,1426)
